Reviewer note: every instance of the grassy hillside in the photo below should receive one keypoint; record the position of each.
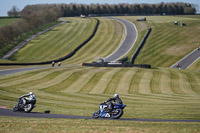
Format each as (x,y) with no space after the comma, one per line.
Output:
(167,43)
(63,39)
(148,93)
(7,21)
(58,42)
(109,36)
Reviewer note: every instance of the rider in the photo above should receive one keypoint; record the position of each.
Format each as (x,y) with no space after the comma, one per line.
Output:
(27,98)
(116,100)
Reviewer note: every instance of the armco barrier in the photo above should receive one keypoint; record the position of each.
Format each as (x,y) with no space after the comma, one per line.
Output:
(140,46)
(62,58)
(107,64)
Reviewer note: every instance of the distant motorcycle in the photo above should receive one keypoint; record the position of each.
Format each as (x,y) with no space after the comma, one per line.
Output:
(116,113)
(28,107)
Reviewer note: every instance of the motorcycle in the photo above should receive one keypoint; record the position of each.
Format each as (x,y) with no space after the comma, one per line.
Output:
(116,113)
(28,107)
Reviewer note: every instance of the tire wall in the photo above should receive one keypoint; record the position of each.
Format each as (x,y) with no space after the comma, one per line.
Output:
(106,64)
(134,56)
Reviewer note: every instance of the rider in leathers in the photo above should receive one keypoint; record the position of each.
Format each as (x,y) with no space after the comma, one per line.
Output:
(116,100)
(28,97)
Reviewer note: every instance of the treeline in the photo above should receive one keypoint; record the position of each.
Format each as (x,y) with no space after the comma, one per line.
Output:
(34,16)
(129,9)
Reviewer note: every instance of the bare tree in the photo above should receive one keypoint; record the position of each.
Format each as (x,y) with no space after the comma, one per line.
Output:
(14,12)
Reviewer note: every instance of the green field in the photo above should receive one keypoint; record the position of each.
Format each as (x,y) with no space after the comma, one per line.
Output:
(167,43)
(64,39)
(7,21)
(195,66)
(58,42)
(148,94)
(8,124)
(158,93)
(78,90)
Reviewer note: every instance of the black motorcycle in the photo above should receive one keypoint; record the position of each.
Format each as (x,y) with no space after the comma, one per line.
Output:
(28,107)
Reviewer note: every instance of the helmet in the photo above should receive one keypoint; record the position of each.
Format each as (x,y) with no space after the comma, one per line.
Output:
(115,96)
(31,93)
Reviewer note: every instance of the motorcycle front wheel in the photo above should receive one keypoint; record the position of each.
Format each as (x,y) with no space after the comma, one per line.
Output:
(96,114)
(15,109)
(117,113)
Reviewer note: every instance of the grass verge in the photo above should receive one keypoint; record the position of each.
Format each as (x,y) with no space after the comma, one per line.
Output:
(8,124)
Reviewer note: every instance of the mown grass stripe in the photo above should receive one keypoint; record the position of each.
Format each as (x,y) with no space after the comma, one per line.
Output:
(92,82)
(113,84)
(194,80)
(39,80)
(102,84)
(144,86)
(34,77)
(80,82)
(155,82)
(184,84)
(165,87)
(65,83)
(175,83)
(18,76)
(123,86)
(93,45)
(134,86)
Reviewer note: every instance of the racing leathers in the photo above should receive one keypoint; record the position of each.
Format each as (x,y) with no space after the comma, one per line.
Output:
(113,102)
(28,98)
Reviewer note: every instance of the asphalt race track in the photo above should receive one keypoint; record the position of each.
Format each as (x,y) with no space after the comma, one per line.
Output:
(7,112)
(130,39)
(187,60)
(16,70)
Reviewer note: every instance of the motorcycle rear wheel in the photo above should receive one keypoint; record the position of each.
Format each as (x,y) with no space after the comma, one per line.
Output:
(28,108)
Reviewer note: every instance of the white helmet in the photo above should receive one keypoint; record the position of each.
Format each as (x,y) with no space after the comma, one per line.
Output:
(115,96)
(31,93)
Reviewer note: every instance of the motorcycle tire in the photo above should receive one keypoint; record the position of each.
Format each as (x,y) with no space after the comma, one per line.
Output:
(117,113)
(28,108)
(15,109)
(96,114)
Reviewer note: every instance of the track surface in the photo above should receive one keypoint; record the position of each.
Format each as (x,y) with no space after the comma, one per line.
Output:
(7,112)
(16,70)
(130,39)
(187,60)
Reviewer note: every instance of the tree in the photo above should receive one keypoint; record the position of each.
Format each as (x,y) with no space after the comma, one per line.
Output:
(14,12)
